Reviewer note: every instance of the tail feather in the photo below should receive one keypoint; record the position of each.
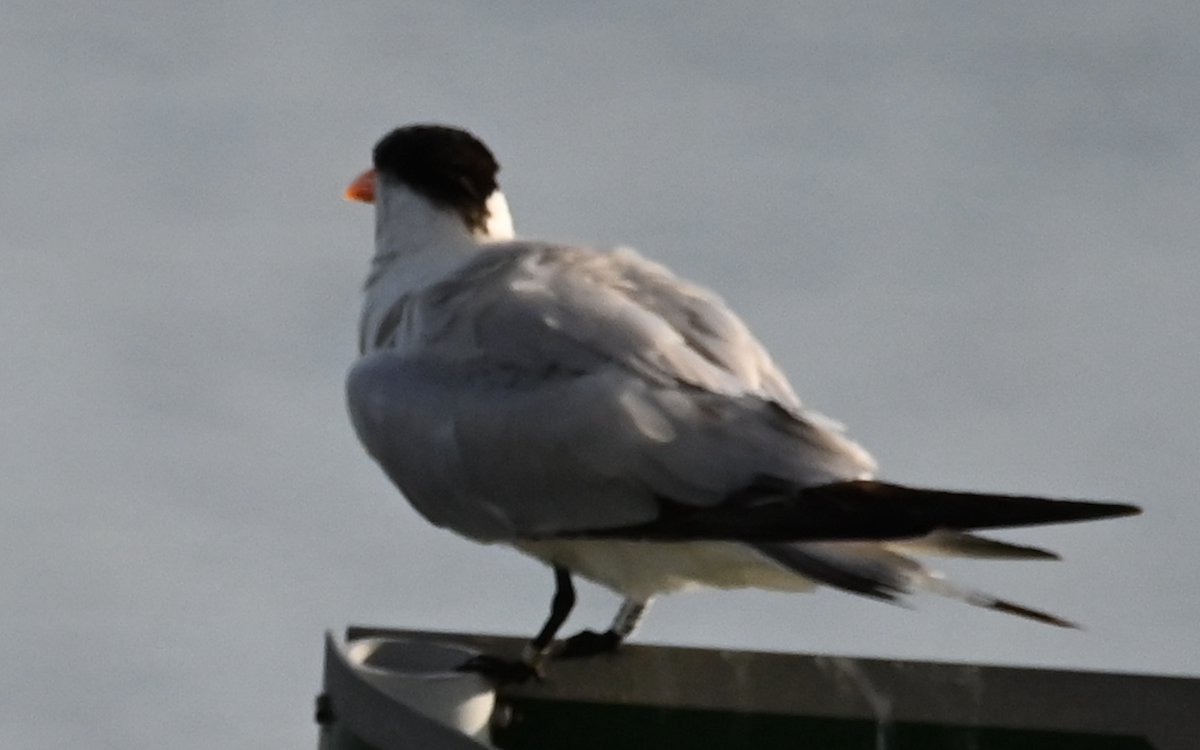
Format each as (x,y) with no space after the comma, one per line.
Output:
(856,567)
(880,576)
(871,570)
(934,583)
(962,544)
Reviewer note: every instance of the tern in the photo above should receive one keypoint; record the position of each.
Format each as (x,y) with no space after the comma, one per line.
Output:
(597,412)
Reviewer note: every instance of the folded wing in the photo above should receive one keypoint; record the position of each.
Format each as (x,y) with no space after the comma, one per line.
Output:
(545,390)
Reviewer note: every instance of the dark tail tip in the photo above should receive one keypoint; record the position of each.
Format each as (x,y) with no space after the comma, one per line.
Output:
(1016,609)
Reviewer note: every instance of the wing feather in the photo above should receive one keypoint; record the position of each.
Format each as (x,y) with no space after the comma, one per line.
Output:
(544,390)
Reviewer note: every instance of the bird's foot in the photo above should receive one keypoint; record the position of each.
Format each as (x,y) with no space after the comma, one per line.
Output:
(501,670)
(587,643)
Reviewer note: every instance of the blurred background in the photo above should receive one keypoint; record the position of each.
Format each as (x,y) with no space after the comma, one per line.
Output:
(966,229)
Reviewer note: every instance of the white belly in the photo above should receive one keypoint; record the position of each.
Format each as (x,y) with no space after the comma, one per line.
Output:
(639,570)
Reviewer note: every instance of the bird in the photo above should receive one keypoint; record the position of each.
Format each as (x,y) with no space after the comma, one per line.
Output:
(595,411)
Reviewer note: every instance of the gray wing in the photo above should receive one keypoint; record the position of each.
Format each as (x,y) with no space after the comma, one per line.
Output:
(546,390)
(531,307)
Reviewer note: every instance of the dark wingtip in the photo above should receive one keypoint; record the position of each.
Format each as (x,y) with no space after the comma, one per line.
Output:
(1116,510)
(860,509)
(1068,511)
(962,511)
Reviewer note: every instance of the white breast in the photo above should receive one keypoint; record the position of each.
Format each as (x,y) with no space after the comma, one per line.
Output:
(640,570)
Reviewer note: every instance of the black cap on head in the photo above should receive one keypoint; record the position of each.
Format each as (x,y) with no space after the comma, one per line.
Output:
(448,166)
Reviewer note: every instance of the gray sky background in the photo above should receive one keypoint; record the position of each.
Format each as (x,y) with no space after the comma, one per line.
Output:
(967,229)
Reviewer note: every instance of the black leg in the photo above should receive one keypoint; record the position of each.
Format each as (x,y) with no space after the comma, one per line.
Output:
(560,608)
(590,643)
(529,665)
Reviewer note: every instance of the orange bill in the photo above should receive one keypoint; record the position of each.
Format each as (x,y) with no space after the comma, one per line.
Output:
(362,189)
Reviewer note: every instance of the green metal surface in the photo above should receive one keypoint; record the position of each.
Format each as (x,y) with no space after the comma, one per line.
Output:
(553,725)
(666,698)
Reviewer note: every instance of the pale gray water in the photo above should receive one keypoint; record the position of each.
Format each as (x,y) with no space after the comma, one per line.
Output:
(969,232)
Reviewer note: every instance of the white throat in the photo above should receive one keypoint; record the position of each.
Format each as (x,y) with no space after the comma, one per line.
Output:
(418,244)
(407,223)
